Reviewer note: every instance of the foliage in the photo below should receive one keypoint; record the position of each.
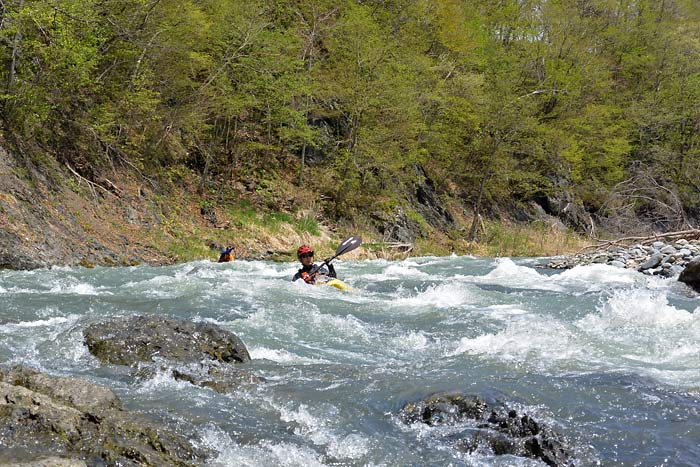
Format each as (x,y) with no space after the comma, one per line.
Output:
(347,98)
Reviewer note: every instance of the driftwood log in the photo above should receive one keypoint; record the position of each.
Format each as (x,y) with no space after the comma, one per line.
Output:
(691,234)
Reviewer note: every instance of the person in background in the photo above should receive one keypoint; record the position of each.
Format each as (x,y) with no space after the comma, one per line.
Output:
(226,255)
(305,254)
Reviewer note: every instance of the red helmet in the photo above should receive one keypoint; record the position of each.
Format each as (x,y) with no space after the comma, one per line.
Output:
(303,250)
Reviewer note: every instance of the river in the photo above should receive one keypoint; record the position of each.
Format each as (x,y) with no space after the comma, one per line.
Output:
(609,358)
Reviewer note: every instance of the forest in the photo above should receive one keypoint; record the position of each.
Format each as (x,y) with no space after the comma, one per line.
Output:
(347,107)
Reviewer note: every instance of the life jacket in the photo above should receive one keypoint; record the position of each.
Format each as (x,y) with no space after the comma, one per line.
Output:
(304,273)
(225,258)
(226,255)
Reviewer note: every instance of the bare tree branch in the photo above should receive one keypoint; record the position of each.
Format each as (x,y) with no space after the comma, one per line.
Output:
(642,240)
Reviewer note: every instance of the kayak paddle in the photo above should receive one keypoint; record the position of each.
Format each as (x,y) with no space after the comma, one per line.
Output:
(345,246)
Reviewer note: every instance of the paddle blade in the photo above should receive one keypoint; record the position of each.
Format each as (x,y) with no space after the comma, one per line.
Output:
(348,244)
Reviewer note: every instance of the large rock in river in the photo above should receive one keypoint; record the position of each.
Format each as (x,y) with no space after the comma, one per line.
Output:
(55,421)
(496,428)
(691,274)
(145,338)
(202,353)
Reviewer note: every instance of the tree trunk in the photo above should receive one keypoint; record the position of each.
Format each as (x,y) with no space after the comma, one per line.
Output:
(301,166)
(477,208)
(12,71)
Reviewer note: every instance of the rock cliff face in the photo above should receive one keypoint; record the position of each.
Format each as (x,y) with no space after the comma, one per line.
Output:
(400,228)
(42,223)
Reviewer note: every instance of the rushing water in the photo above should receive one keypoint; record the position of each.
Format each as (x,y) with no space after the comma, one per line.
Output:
(609,358)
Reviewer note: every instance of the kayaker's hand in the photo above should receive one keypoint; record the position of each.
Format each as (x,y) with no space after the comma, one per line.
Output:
(327,260)
(307,277)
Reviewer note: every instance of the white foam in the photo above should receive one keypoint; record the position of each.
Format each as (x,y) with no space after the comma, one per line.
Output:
(504,312)
(162,379)
(641,326)
(51,322)
(410,342)
(281,356)
(395,271)
(294,325)
(316,429)
(446,295)
(262,455)
(588,278)
(528,340)
(253,270)
(598,276)
(634,330)
(74,289)
(509,274)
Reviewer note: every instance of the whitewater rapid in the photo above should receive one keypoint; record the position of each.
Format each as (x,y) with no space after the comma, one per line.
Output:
(609,357)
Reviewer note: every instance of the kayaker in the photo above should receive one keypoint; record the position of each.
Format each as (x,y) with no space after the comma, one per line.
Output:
(306,257)
(226,255)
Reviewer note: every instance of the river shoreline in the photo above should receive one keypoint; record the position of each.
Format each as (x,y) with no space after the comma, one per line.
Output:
(666,259)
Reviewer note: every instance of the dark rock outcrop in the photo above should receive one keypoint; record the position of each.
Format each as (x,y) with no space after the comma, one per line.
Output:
(56,421)
(691,274)
(562,204)
(399,227)
(12,255)
(428,204)
(144,338)
(52,461)
(203,353)
(496,428)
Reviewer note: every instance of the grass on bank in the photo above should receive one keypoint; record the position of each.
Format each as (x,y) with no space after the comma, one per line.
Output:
(276,236)
(185,235)
(534,239)
(501,241)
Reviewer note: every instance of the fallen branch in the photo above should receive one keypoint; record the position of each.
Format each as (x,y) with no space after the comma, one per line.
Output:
(401,246)
(625,241)
(91,185)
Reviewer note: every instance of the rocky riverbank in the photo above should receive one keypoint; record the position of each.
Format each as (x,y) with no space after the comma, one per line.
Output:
(55,421)
(666,259)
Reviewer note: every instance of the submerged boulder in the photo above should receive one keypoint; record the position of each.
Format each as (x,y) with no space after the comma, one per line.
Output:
(56,421)
(202,354)
(498,429)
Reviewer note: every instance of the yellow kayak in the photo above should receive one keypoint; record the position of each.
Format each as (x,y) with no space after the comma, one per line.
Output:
(338,284)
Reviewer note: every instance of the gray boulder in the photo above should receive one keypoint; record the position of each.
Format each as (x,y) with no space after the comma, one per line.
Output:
(53,421)
(498,428)
(199,353)
(145,338)
(691,274)
(652,262)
